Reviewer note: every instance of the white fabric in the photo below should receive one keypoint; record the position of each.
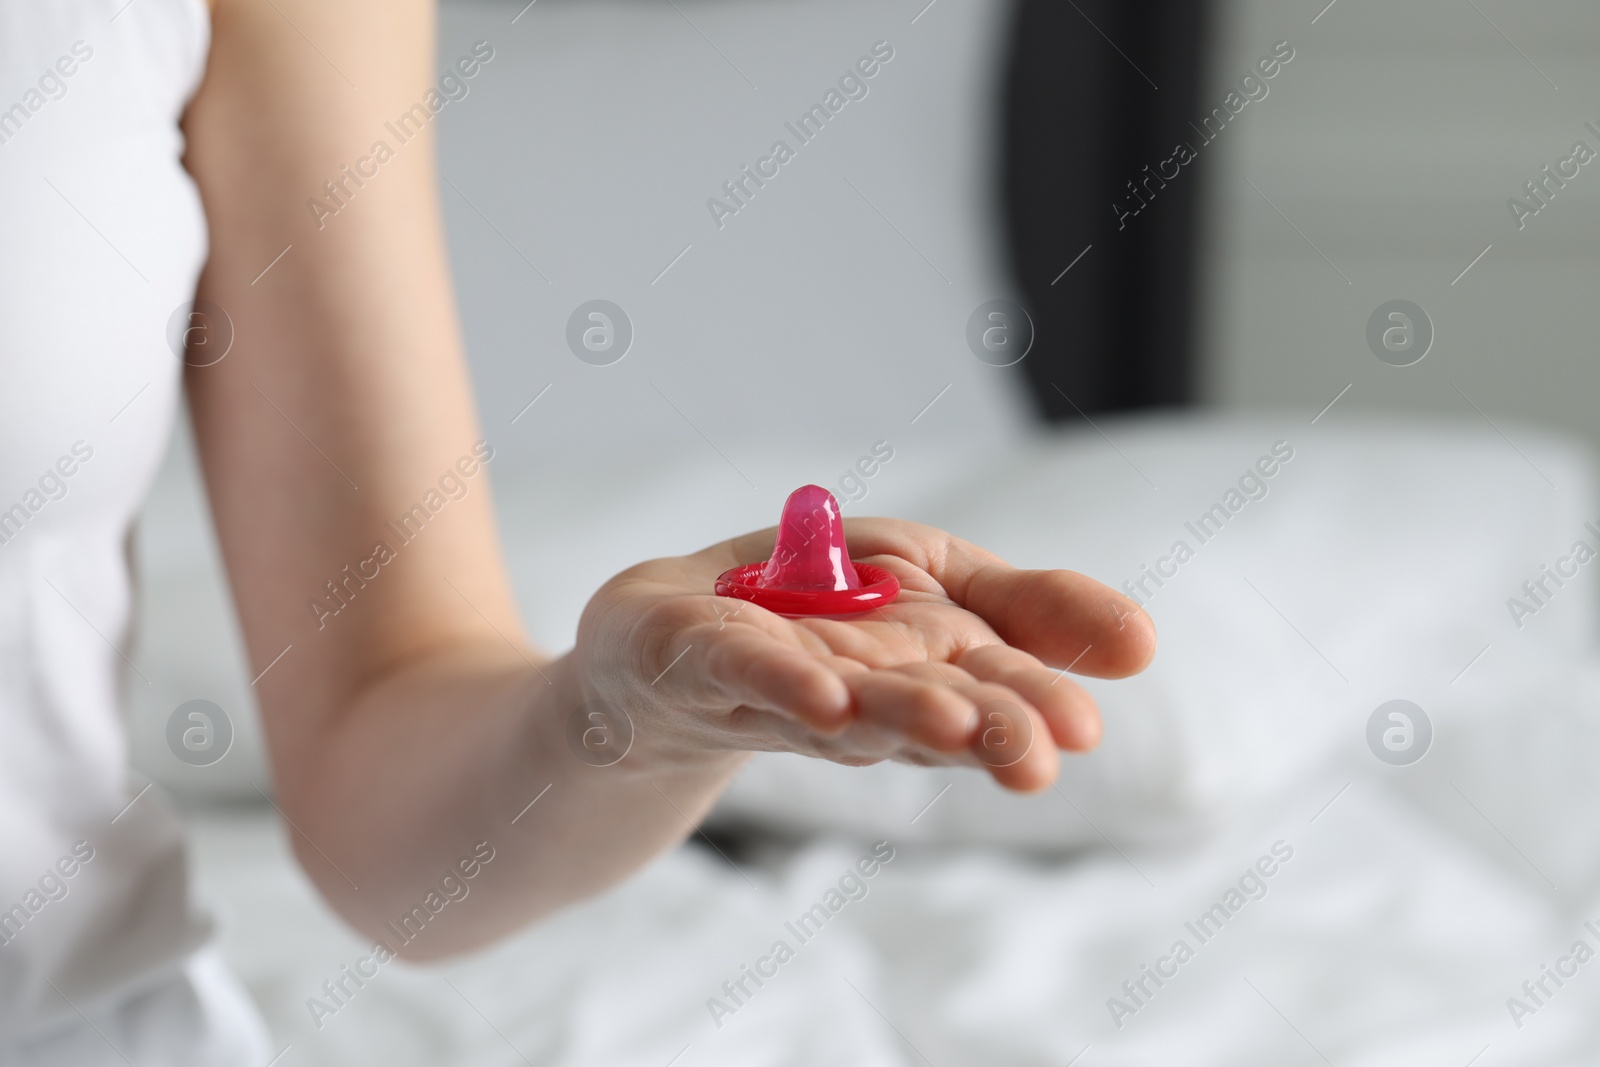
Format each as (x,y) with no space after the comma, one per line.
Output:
(200,1017)
(90,273)
(1389,938)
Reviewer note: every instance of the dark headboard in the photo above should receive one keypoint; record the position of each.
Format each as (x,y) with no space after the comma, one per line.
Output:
(1096,91)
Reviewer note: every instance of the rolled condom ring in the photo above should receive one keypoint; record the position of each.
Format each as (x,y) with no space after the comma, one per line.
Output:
(810,572)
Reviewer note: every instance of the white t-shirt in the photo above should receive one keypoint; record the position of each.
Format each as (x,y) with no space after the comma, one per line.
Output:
(102,239)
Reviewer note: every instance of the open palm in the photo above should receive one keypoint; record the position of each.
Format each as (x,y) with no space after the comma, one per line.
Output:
(966,666)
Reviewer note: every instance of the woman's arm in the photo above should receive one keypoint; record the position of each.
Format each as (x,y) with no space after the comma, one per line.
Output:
(404,729)
(417,721)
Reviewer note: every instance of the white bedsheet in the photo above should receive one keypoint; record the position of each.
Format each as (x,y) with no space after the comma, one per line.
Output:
(1385,939)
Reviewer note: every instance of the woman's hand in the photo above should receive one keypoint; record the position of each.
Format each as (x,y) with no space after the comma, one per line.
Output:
(965,667)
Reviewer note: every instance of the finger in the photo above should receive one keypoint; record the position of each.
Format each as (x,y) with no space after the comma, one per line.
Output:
(1068,711)
(1011,738)
(927,712)
(1063,617)
(749,667)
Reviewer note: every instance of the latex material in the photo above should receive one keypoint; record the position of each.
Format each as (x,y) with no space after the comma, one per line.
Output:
(810,572)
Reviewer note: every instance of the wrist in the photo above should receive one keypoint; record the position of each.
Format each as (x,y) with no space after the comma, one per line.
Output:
(572,718)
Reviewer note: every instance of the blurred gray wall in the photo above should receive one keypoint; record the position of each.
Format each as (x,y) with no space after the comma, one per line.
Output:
(1393,142)
(823,315)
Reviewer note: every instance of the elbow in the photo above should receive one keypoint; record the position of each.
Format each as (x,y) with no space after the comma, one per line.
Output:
(418,917)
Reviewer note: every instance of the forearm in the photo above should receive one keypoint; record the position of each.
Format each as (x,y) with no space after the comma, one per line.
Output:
(441,755)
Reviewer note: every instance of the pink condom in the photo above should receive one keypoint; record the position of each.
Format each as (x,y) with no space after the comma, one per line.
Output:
(810,572)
